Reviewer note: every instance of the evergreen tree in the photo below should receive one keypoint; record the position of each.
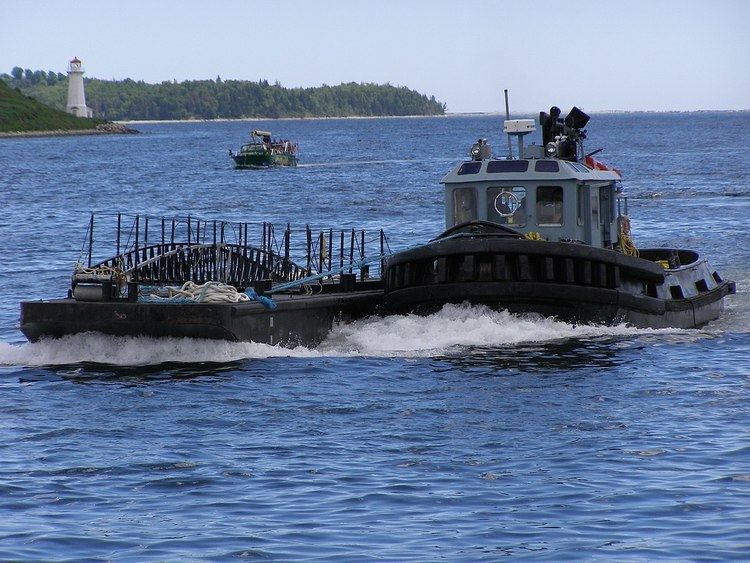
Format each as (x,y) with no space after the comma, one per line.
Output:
(210,99)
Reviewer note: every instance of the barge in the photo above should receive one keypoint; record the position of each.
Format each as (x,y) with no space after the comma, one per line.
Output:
(240,290)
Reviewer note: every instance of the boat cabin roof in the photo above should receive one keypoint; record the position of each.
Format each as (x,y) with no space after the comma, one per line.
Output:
(528,169)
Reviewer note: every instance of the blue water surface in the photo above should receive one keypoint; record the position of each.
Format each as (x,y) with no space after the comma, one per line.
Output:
(467,435)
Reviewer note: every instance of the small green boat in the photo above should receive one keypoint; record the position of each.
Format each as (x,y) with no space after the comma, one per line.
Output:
(262,152)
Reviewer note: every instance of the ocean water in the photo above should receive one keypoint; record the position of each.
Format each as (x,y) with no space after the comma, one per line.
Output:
(467,435)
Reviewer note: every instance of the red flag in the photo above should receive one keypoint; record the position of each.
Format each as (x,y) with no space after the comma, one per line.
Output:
(591,162)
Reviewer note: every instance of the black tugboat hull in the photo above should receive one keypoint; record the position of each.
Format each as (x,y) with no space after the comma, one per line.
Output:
(578,305)
(572,282)
(298,319)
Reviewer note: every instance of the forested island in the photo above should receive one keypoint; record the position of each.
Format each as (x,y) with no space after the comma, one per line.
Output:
(22,115)
(228,99)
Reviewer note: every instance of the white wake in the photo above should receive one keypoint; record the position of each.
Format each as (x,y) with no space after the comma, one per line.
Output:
(398,335)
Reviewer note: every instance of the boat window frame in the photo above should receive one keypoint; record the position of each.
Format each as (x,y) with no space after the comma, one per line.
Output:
(522,210)
(539,211)
(464,189)
(580,204)
(579,167)
(471,167)
(545,162)
(515,166)
(252,148)
(612,196)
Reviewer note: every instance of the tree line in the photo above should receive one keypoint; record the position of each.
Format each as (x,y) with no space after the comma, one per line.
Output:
(210,99)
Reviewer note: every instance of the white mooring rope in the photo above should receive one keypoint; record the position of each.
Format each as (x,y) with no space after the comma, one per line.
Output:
(209,292)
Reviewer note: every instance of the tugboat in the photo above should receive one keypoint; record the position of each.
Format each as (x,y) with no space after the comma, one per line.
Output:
(262,152)
(548,232)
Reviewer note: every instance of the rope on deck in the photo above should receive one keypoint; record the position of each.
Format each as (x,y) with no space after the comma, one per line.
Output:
(209,292)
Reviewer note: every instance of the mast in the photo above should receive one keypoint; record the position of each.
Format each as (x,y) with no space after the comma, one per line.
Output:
(507,117)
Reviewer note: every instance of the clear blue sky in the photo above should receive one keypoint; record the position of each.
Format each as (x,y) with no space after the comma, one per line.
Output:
(599,55)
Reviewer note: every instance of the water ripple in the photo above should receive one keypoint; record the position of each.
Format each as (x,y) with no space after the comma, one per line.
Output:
(469,435)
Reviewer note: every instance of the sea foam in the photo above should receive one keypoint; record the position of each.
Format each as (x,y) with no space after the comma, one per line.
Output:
(396,335)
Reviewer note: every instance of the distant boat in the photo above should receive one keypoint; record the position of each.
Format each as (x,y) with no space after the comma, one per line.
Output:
(262,152)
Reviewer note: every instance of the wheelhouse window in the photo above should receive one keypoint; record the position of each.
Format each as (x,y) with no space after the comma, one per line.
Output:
(580,204)
(549,206)
(469,168)
(507,205)
(498,166)
(252,149)
(579,167)
(546,166)
(464,205)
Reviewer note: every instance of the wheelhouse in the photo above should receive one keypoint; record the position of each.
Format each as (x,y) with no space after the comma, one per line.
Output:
(560,199)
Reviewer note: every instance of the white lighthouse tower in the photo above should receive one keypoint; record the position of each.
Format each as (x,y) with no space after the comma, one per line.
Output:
(76,98)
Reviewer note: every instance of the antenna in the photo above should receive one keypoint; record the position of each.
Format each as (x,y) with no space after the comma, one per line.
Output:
(517,127)
(507,117)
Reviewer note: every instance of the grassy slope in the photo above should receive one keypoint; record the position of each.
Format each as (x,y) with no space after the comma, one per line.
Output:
(20,113)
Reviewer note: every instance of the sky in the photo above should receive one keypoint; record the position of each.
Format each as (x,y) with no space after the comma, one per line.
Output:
(599,55)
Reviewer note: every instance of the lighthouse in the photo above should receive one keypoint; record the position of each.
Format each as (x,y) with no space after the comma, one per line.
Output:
(76,98)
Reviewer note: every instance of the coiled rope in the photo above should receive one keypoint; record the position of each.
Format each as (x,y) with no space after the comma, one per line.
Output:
(627,246)
(209,292)
(113,273)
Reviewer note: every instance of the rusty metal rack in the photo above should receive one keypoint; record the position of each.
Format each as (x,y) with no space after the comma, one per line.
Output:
(166,251)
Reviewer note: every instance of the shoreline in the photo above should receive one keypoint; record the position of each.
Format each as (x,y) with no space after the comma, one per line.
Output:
(113,128)
(443,116)
(74,133)
(234,119)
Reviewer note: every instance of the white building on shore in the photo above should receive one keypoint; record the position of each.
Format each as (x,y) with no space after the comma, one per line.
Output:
(76,97)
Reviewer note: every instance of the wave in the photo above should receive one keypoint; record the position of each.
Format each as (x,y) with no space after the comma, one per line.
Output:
(382,161)
(397,335)
(460,326)
(686,194)
(100,348)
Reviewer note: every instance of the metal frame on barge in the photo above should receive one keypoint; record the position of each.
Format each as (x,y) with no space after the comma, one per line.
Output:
(140,290)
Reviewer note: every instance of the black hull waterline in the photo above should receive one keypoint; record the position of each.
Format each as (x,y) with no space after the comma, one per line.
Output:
(569,281)
(297,319)
(580,305)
